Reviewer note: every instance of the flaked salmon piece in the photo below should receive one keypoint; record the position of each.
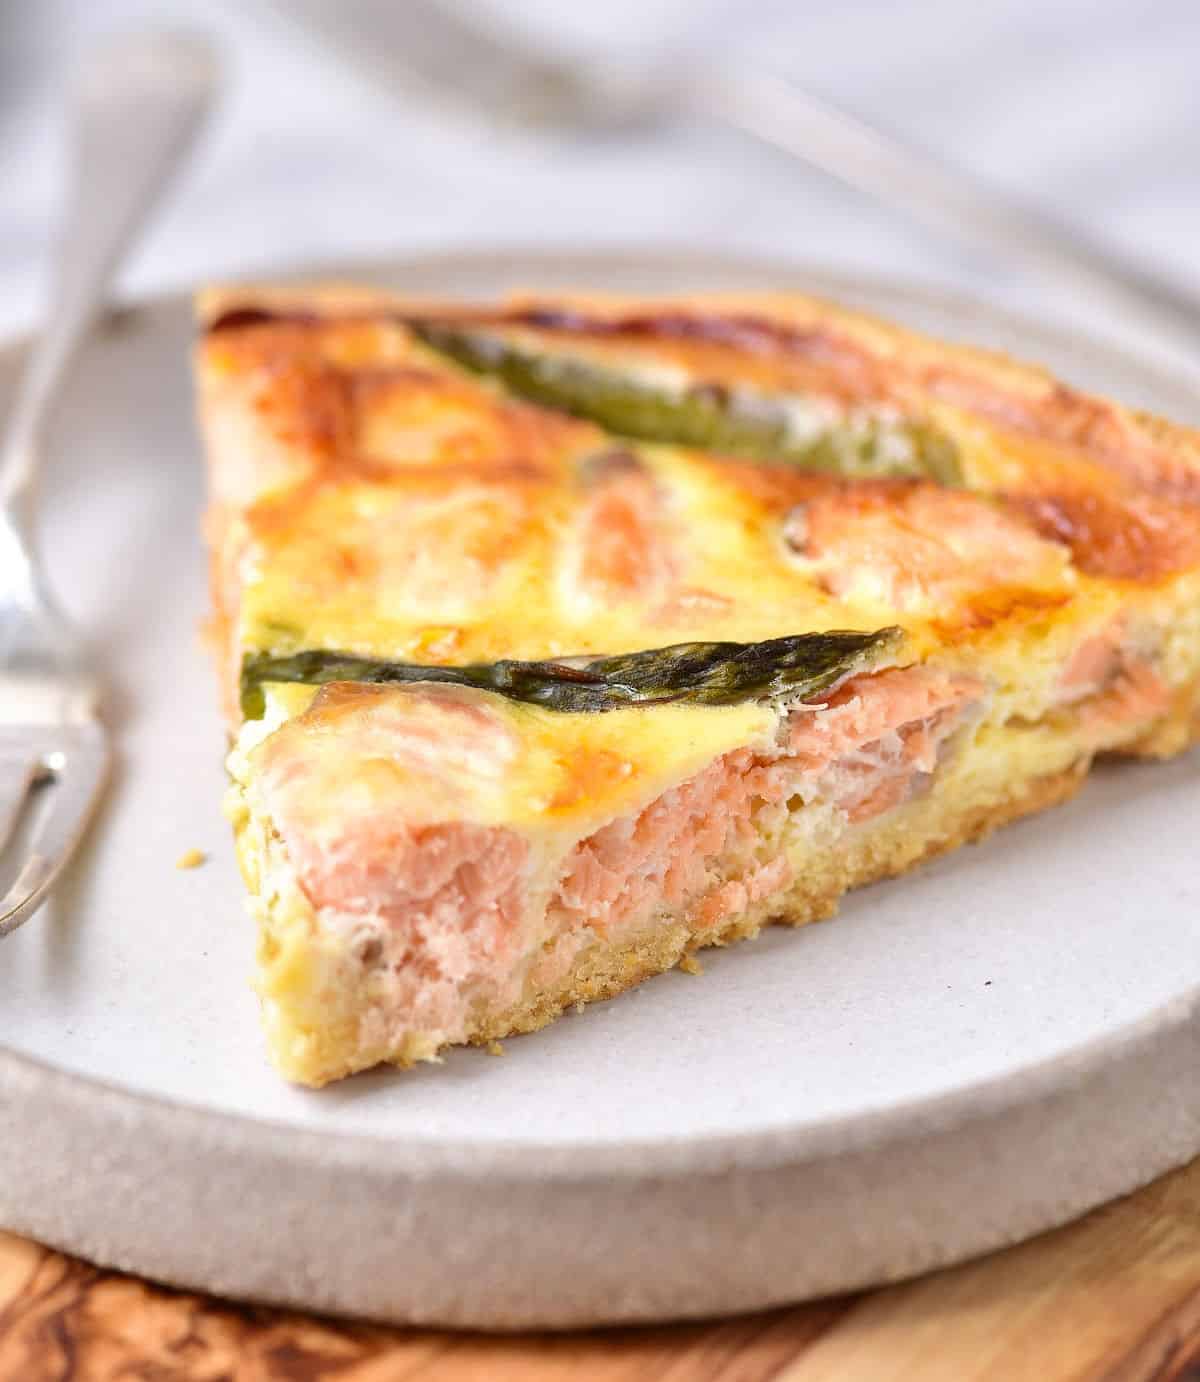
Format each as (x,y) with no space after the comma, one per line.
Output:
(674,852)
(446,895)
(917,547)
(1093,664)
(866,708)
(738,894)
(880,736)
(389,763)
(619,549)
(1135,696)
(1112,685)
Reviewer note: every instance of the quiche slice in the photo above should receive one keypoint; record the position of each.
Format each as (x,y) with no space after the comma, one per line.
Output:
(561,638)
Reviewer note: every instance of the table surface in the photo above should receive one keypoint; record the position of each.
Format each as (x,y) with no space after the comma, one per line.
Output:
(1114,1297)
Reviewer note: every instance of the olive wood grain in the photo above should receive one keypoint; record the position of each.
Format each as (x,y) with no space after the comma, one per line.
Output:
(1112,1298)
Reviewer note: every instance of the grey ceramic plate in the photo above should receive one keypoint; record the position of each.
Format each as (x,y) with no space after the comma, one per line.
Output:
(967,1056)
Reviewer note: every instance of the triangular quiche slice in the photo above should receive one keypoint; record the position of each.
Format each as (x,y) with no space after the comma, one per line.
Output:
(564,636)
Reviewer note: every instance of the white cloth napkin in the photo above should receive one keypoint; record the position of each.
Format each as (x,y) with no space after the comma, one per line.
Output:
(1091,107)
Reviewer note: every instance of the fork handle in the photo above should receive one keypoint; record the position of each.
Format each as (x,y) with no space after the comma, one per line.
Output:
(783,114)
(139,102)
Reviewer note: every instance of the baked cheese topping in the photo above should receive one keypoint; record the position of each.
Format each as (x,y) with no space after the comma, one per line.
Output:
(453,753)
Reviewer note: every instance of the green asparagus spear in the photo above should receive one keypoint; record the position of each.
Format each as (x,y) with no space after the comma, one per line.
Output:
(707,416)
(697,673)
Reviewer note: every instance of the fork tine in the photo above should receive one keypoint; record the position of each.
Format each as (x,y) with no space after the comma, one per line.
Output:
(79,766)
(17,776)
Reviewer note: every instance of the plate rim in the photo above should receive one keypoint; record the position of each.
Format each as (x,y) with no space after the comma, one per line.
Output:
(516,1161)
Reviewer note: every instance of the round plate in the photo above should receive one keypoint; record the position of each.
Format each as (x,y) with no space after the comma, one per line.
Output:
(967,1056)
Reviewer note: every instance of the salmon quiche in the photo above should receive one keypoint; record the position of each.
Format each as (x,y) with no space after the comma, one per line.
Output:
(564,636)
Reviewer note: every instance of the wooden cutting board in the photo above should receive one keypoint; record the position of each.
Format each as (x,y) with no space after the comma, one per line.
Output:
(1112,1298)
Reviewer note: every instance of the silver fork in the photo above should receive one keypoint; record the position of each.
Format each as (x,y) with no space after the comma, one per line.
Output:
(439,49)
(139,102)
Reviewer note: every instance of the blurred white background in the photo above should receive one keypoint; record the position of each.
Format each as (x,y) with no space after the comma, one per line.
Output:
(1090,107)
